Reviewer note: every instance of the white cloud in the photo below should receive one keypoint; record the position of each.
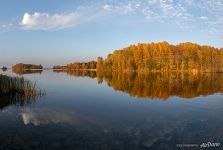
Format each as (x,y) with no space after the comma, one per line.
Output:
(120,8)
(211,18)
(5,27)
(45,21)
(107,7)
(152,10)
(182,13)
(204,18)
(83,14)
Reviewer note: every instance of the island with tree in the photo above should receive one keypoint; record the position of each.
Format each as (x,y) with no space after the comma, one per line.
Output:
(27,68)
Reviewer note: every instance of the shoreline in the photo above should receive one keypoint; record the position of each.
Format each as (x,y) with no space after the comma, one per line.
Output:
(127,71)
(73,69)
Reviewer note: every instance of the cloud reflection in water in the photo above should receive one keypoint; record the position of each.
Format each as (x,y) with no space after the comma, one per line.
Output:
(43,116)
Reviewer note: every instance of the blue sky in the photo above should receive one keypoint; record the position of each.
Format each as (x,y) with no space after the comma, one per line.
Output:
(51,32)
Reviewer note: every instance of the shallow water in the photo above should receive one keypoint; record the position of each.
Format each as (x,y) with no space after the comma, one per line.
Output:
(79,113)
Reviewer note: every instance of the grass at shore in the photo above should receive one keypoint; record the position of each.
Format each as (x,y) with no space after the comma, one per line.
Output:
(18,87)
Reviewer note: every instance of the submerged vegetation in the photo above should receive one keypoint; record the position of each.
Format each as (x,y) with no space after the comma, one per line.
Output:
(18,87)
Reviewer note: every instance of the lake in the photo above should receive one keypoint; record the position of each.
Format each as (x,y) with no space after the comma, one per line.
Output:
(89,110)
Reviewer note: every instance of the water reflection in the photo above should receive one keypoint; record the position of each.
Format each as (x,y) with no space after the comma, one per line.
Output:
(158,85)
(162,86)
(16,101)
(22,71)
(86,115)
(78,73)
(155,85)
(47,116)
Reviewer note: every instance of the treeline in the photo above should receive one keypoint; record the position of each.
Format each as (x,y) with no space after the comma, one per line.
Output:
(59,67)
(78,66)
(163,57)
(157,57)
(21,66)
(26,68)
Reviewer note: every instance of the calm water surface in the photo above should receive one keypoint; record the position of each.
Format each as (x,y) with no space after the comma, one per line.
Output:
(79,113)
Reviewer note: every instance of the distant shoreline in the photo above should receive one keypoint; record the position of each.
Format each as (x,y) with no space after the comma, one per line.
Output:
(33,69)
(74,69)
(148,57)
(139,71)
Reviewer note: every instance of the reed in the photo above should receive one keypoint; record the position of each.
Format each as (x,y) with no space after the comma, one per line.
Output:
(18,87)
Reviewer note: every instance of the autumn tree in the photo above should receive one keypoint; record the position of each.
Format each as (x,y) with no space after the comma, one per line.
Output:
(163,57)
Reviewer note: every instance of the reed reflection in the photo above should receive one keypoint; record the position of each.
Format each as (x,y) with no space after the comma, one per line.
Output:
(16,101)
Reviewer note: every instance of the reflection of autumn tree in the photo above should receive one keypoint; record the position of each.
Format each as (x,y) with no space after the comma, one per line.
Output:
(163,86)
(100,75)
(22,71)
(158,85)
(78,73)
